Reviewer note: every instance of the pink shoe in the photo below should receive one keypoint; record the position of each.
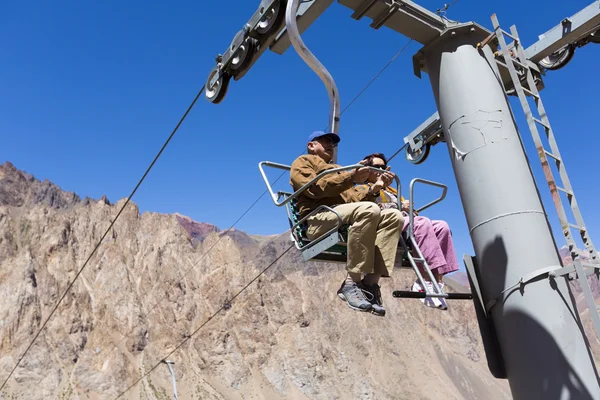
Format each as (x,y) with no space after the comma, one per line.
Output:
(433,302)
(443,304)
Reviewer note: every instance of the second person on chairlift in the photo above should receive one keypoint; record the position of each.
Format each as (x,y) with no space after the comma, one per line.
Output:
(432,236)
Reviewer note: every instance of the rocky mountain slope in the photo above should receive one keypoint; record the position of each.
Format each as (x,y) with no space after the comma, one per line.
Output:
(153,284)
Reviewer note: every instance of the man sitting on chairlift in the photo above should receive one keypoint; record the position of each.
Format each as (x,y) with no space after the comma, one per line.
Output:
(373,235)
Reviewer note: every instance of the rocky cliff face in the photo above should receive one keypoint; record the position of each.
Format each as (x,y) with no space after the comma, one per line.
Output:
(152,284)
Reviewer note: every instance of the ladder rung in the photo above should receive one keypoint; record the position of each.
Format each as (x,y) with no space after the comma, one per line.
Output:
(509,35)
(553,156)
(418,259)
(530,93)
(580,228)
(541,123)
(503,64)
(500,63)
(569,193)
(514,60)
(518,63)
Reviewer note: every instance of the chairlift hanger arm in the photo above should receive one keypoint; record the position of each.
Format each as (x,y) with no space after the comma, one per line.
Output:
(314,64)
(308,12)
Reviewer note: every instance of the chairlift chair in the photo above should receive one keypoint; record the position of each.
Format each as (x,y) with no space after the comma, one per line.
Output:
(332,245)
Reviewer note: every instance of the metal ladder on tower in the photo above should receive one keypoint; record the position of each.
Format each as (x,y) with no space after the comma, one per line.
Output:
(515,61)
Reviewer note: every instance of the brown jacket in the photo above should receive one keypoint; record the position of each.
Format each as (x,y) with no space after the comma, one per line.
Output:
(333,189)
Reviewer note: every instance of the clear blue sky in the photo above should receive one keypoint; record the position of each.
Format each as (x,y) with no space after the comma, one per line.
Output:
(90,90)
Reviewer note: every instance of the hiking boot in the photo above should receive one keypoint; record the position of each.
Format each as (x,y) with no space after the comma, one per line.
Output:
(354,297)
(373,294)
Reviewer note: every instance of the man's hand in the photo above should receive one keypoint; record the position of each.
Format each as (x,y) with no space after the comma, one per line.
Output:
(360,175)
(386,177)
(406,205)
(383,180)
(377,186)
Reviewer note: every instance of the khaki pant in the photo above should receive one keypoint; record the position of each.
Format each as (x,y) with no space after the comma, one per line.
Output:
(372,239)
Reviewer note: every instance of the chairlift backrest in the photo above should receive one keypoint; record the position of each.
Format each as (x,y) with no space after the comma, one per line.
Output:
(297,231)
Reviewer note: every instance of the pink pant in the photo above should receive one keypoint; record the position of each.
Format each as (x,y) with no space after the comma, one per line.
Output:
(435,241)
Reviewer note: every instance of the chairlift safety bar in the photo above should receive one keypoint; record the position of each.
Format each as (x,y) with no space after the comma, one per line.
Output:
(275,197)
(411,234)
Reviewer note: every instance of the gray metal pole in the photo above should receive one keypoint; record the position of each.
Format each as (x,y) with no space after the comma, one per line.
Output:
(169,364)
(541,339)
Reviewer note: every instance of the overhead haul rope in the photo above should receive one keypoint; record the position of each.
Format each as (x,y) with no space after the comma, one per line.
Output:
(373,80)
(376,76)
(188,337)
(104,235)
(228,302)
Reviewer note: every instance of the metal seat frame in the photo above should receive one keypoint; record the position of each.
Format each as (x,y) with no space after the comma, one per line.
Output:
(332,245)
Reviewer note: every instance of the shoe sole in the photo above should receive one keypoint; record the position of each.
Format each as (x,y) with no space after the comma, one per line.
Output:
(342,297)
(379,314)
(439,307)
(444,305)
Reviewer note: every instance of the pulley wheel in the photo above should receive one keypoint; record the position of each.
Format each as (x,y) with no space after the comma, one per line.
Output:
(271,19)
(217,92)
(559,58)
(418,156)
(243,55)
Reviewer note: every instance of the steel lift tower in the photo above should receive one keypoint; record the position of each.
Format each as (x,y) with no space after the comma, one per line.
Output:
(527,314)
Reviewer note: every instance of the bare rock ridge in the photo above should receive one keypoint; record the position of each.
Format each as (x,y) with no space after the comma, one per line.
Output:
(152,284)
(196,230)
(18,188)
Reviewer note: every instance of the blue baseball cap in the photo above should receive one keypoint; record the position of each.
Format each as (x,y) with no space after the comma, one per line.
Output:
(318,134)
